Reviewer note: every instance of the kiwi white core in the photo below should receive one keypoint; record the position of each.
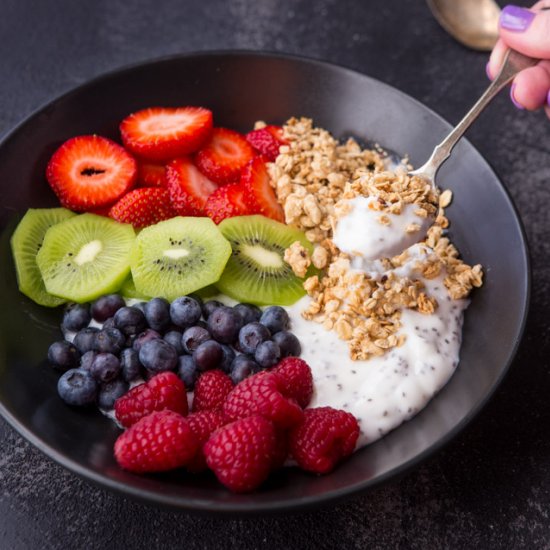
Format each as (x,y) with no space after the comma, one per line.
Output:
(262,256)
(176,253)
(89,252)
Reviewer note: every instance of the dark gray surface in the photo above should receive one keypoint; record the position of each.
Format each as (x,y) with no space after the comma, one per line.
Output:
(490,487)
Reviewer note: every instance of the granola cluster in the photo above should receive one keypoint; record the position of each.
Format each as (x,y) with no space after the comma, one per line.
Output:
(314,178)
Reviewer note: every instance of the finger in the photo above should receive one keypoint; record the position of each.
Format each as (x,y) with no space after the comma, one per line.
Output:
(495,61)
(530,88)
(526,31)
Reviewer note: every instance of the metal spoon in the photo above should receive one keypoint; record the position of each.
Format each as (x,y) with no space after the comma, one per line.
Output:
(513,63)
(473,23)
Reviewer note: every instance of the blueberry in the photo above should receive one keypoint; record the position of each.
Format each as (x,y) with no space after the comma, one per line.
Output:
(249,312)
(106,307)
(228,357)
(187,371)
(84,339)
(63,355)
(193,337)
(109,323)
(105,367)
(76,317)
(251,336)
(275,318)
(289,344)
(110,340)
(140,306)
(87,359)
(224,324)
(110,392)
(201,323)
(242,367)
(157,313)
(185,311)
(130,320)
(77,387)
(146,336)
(209,307)
(130,364)
(173,337)
(208,355)
(267,354)
(158,355)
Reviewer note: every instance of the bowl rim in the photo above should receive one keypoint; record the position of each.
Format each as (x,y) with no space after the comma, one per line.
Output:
(206,506)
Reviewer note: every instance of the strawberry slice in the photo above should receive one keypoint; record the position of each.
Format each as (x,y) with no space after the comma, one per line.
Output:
(258,193)
(150,174)
(226,202)
(142,207)
(224,156)
(163,133)
(267,141)
(88,172)
(189,189)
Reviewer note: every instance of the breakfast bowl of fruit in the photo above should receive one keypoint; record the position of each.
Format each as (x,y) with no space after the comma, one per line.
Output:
(233,302)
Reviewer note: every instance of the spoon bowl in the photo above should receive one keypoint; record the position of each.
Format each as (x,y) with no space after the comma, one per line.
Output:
(473,23)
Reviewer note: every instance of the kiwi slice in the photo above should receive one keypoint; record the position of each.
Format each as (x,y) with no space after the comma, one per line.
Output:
(178,256)
(26,241)
(85,257)
(129,290)
(256,271)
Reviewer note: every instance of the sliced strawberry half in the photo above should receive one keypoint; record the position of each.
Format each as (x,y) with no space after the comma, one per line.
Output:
(226,202)
(224,155)
(258,193)
(150,174)
(163,133)
(142,207)
(267,141)
(88,172)
(189,188)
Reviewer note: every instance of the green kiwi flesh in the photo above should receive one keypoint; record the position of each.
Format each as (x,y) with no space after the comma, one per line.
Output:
(256,271)
(26,242)
(85,257)
(178,256)
(129,290)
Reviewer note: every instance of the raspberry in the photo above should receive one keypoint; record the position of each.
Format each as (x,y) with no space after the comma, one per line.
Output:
(161,441)
(261,394)
(203,424)
(211,389)
(323,438)
(241,453)
(164,391)
(297,380)
(281,451)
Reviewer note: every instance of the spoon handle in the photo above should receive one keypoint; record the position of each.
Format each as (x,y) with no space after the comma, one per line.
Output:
(513,63)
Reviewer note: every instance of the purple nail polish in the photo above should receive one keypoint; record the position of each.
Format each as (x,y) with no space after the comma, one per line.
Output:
(514,18)
(548,98)
(518,105)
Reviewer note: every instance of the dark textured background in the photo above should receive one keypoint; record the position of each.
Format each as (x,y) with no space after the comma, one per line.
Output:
(490,488)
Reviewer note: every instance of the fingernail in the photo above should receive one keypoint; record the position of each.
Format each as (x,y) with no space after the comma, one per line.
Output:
(514,18)
(548,98)
(487,71)
(518,105)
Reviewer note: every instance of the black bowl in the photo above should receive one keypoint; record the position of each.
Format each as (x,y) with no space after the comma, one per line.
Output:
(485,227)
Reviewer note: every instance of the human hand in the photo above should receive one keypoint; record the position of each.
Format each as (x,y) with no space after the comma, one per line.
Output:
(528,32)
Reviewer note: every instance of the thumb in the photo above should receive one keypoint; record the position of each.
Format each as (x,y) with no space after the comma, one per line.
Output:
(526,30)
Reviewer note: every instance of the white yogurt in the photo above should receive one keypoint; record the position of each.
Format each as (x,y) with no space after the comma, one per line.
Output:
(359,233)
(383,392)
